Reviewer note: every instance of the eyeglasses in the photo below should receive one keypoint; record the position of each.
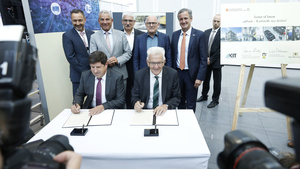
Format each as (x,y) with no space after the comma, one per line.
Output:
(125,20)
(156,63)
(151,23)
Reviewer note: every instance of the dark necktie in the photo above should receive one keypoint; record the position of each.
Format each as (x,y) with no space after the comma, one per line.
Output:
(99,93)
(155,93)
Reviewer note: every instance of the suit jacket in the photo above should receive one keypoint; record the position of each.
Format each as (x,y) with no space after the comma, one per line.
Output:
(121,49)
(140,52)
(114,90)
(170,87)
(197,53)
(215,49)
(76,53)
(129,64)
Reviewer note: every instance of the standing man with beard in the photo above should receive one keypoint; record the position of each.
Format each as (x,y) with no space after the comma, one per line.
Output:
(76,47)
(128,22)
(213,63)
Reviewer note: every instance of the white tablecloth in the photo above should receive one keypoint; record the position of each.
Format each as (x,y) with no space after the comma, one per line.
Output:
(122,146)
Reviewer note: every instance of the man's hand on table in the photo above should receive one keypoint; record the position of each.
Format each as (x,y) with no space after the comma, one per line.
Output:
(160,110)
(96,110)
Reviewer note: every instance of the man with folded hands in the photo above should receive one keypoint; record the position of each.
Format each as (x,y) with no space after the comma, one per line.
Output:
(156,86)
(103,87)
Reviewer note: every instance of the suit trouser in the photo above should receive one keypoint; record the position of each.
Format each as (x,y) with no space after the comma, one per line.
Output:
(188,91)
(217,76)
(75,87)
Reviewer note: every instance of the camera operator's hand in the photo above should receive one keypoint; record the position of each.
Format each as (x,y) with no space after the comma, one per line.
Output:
(70,158)
(75,109)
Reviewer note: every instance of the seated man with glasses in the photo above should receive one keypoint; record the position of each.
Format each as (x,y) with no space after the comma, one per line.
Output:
(150,39)
(156,86)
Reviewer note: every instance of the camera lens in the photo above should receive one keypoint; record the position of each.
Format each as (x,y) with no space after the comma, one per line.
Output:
(244,151)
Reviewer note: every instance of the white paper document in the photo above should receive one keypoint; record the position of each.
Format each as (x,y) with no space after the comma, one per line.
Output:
(83,118)
(146,118)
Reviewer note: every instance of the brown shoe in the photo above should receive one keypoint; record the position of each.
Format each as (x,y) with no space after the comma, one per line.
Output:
(291,144)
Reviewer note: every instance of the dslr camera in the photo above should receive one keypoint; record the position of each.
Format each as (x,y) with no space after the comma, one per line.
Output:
(244,151)
(17,68)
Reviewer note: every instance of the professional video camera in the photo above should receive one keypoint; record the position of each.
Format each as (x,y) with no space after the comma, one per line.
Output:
(17,65)
(244,151)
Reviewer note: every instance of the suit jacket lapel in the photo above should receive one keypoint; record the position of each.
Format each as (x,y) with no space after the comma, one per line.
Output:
(115,38)
(147,85)
(107,83)
(165,79)
(216,35)
(160,41)
(192,39)
(78,38)
(88,35)
(102,39)
(91,86)
(175,47)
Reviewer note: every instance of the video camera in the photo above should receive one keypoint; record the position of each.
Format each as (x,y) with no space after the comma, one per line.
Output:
(17,65)
(244,151)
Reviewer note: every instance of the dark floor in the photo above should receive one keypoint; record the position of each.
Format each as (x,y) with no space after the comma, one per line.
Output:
(270,128)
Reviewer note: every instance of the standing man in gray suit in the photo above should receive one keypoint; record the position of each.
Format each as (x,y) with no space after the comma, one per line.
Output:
(103,87)
(113,43)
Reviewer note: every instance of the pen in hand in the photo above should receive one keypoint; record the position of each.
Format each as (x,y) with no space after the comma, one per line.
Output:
(74,103)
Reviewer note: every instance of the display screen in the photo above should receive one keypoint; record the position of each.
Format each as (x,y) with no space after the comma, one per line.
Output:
(54,15)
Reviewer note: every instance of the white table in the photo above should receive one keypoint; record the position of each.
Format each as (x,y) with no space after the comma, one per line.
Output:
(121,146)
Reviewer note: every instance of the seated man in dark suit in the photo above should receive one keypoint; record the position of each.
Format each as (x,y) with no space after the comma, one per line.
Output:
(156,86)
(103,87)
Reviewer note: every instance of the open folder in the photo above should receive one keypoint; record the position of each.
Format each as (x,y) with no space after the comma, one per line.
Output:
(146,117)
(83,118)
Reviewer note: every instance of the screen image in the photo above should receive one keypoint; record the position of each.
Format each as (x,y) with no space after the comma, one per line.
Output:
(54,15)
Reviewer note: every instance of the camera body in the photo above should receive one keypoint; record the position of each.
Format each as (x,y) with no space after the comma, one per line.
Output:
(17,67)
(244,151)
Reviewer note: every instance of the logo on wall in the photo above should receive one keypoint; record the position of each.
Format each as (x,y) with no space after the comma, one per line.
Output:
(231,55)
(55,8)
(88,8)
(264,55)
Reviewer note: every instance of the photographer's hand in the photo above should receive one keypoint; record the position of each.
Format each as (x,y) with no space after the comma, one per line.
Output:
(70,158)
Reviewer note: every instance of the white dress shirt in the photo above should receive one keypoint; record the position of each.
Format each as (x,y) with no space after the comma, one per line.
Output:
(103,98)
(152,81)
(130,38)
(187,42)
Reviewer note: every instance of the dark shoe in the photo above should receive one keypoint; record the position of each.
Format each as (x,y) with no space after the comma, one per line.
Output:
(202,98)
(212,104)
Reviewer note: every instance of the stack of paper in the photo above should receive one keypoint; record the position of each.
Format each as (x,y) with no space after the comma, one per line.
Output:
(83,118)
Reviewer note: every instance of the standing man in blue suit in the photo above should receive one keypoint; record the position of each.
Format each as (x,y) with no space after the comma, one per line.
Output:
(189,52)
(150,39)
(213,63)
(76,47)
